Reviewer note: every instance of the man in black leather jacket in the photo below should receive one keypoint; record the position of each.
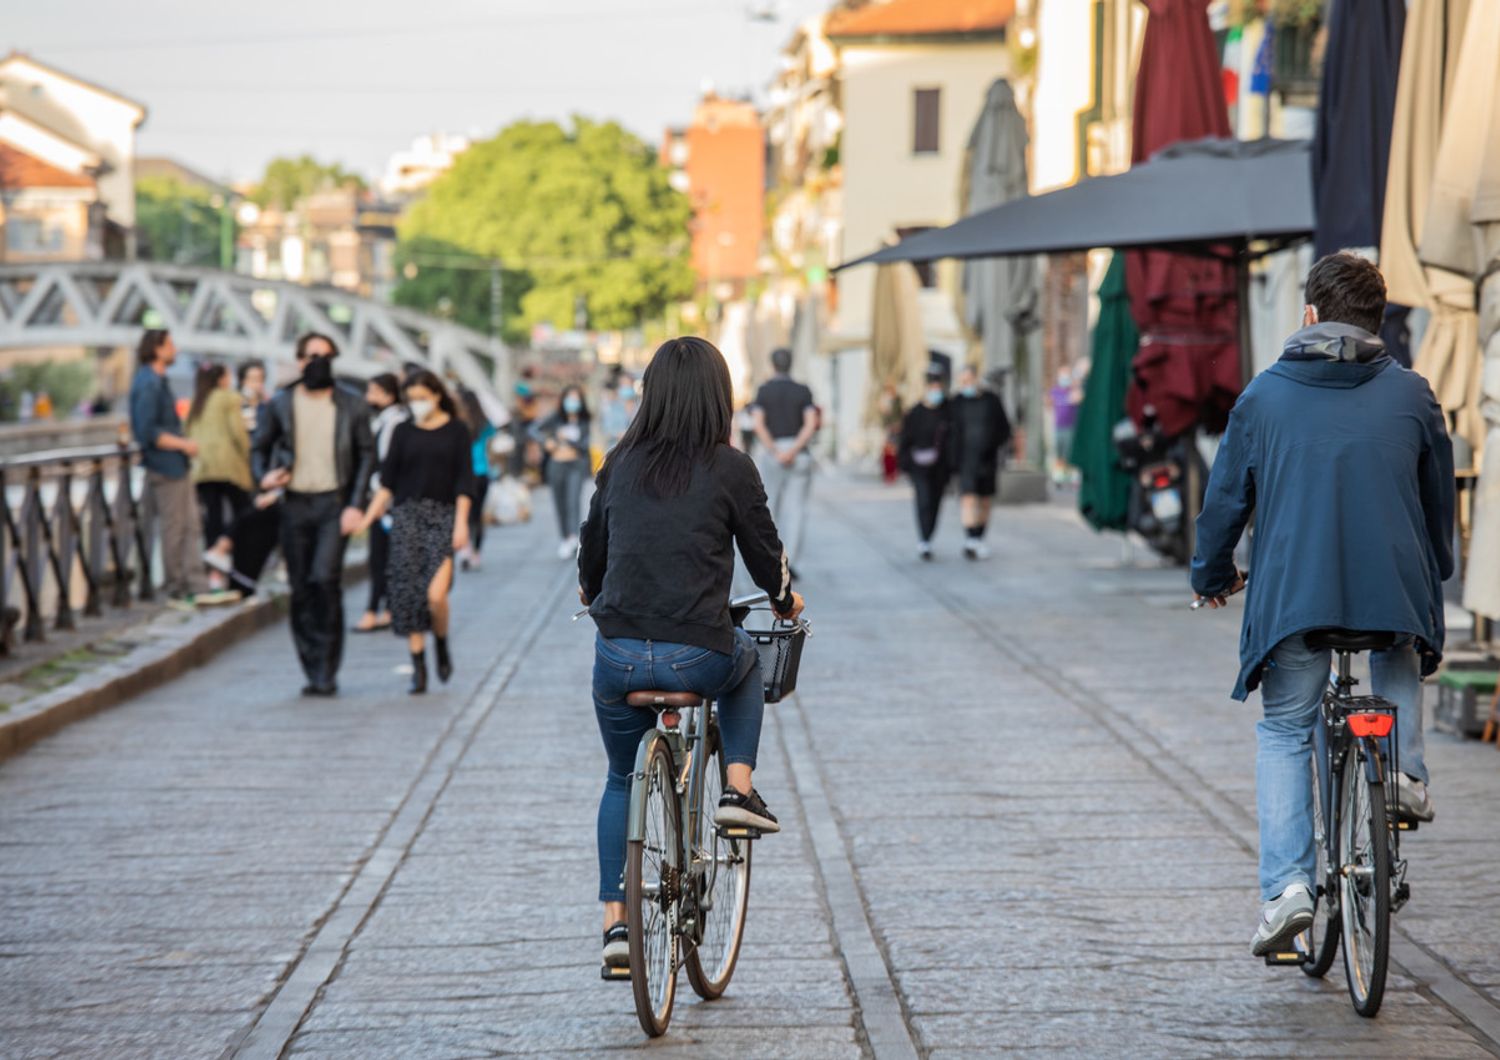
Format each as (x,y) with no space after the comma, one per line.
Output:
(314,441)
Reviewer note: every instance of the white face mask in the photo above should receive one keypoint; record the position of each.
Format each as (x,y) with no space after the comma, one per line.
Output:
(421,409)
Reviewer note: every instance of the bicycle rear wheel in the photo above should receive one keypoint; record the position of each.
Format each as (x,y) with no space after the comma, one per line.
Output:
(653,876)
(1319,944)
(724,886)
(1364,881)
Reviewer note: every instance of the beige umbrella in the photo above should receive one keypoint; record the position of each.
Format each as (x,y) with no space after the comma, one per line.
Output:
(1429,65)
(897,352)
(1479,86)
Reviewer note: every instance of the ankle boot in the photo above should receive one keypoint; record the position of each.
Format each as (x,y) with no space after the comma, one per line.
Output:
(418,673)
(444,660)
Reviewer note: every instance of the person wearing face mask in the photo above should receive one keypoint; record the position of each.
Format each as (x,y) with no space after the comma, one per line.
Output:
(314,442)
(427,483)
(925,453)
(980,430)
(617,409)
(565,437)
(383,394)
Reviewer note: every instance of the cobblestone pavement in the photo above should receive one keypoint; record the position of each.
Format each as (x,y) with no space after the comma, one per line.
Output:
(1018,816)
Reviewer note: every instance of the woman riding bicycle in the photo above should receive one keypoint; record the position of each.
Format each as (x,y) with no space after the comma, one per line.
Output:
(655,560)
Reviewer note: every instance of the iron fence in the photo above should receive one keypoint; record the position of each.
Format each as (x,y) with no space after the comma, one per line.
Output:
(79,533)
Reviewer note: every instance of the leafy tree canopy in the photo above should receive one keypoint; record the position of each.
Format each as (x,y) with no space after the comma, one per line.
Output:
(288,181)
(176,221)
(584,212)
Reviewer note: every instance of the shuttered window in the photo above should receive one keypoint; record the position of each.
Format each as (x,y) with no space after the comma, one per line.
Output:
(925,111)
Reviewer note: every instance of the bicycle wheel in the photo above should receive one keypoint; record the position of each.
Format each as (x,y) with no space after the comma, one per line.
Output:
(652,893)
(1364,881)
(1319,944)
(724,887)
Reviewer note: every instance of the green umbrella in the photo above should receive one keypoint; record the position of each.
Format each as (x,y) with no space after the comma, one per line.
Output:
(1104,496)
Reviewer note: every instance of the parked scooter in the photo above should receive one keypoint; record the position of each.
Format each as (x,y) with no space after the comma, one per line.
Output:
(1167,477)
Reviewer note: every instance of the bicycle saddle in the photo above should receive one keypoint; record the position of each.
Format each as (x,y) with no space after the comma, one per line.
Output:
(665,700)
(1349,640)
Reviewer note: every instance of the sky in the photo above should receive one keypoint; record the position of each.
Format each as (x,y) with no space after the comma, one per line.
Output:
(230,86)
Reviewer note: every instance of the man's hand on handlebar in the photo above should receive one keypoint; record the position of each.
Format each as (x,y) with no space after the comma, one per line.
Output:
(791,616)
(1222,599)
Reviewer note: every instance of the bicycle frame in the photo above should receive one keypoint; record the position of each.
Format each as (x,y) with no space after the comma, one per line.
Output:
(684,739)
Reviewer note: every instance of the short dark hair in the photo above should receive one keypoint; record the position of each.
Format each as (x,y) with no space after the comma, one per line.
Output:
(1347,289)
(781,359)
(245,368)
(312,336)
(151,340)
(389,383)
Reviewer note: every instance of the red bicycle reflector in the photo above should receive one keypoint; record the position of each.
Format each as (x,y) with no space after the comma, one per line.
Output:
(1371,724)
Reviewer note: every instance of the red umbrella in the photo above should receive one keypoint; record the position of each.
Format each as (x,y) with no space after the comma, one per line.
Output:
(1188,367)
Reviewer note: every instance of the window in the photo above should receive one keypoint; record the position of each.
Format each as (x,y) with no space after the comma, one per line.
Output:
(32,235)
(926,270)
(925,127)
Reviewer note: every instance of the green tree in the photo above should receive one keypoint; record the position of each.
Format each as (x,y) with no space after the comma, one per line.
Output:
(585,215)
(287,181)
(446,280)
(177,222)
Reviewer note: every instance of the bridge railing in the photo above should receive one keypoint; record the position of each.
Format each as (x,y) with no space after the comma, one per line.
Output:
(79,533)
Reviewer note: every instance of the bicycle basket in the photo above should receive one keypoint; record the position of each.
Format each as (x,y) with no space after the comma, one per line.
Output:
(780,650)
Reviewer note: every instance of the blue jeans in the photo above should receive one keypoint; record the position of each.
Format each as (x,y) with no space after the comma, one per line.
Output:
(1291,694)
(624,666)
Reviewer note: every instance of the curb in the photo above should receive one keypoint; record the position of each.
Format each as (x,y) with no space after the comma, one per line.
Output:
(147,668)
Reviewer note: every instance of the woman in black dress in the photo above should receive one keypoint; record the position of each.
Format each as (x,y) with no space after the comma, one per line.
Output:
(926,454)
(427,480)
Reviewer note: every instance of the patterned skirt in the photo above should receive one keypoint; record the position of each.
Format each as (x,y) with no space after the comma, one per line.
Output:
(421,539)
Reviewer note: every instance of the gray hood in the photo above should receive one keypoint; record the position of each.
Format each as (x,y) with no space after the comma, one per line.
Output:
(1333,342)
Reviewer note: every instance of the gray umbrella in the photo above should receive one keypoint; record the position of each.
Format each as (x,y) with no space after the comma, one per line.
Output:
(999,294)
(1190,195)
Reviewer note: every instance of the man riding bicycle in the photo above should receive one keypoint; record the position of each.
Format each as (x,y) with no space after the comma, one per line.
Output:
(1343,457)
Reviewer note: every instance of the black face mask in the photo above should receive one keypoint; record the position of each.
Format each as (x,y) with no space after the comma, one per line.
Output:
(317,374)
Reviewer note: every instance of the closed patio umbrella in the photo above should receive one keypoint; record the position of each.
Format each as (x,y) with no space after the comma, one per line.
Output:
(1104,493)
(1429,65)
(999,294)
(897,352)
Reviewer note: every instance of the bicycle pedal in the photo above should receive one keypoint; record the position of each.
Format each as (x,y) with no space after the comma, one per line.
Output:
(610,975)
(1406,824)
(1282,957)
(738,832)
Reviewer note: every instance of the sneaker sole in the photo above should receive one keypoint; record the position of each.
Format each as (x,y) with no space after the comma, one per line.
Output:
(1283,939)
(733,816)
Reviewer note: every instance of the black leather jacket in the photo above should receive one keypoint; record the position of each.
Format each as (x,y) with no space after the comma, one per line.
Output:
(275,444)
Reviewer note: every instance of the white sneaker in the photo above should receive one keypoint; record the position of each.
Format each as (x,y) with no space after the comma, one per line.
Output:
(1413,798)
(924,551)
(1282,919)
(568,548)
(981,550)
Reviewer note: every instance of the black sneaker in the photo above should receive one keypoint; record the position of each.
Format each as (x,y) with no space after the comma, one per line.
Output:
(745,811)
(617,947)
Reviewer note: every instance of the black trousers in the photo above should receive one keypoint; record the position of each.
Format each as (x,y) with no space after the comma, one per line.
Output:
(255,536)
(314,552)
(222,504)
(930,484)
(476,512)
(380,558)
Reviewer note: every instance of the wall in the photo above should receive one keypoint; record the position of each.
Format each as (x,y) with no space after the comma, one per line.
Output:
(61,211)
(886,186)
(726,182)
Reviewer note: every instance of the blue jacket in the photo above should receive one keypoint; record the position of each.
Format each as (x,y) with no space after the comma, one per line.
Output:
(1343,456)
(152,411)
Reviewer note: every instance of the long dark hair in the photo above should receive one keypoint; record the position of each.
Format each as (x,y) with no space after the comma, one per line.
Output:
(430,381)
(686,412)
(151,340)
(583,413)
(204,384)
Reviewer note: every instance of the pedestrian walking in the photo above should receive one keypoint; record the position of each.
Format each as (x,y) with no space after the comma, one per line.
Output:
(427,484)
(785,421)
(482,432)
(565,437)
(980,431)
(314,442)
(383,394)
(166,452)
(221,470)
(617,409)
(655,566)
(251,379)
(926,454)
